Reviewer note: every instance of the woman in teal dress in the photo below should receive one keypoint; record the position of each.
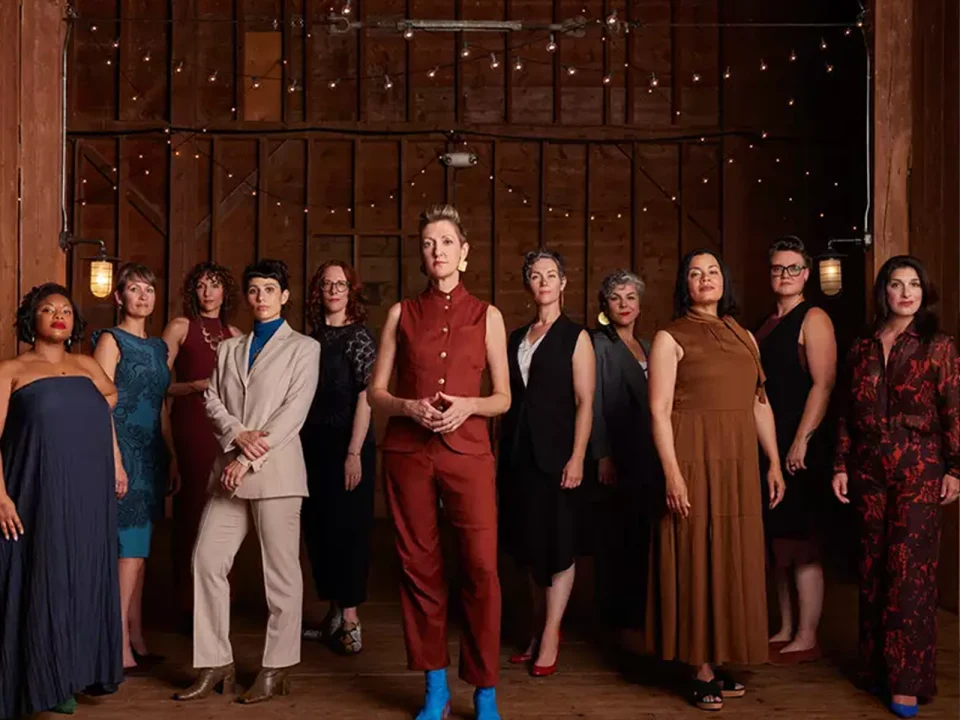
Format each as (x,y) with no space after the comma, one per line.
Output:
(138,366)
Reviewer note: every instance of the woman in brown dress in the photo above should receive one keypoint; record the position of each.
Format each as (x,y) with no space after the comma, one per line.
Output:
(707,602)
(192,340)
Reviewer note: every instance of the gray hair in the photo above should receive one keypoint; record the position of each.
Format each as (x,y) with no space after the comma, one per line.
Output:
(614,280)
(542,254)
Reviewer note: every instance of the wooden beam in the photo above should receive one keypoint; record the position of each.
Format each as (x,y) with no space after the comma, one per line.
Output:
(9,172)
(42,35)
(893,128)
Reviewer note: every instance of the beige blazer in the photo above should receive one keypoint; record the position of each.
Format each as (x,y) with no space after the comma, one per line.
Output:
(274,396)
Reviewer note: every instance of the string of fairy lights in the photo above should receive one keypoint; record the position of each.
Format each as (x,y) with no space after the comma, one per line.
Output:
(183,143)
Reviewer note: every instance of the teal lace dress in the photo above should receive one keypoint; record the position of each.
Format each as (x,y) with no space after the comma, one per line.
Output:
(142,379)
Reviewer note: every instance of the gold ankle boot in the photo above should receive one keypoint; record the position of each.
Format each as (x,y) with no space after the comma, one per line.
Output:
(269,682)
(223,679)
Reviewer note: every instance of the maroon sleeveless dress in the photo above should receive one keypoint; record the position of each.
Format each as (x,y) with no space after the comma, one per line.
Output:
(195,445)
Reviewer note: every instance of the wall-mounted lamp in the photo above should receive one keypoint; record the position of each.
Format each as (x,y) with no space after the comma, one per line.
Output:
(831,269)
(101,265)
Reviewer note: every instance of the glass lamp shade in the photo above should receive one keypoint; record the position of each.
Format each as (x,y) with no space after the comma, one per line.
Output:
(831,276)
(101,278)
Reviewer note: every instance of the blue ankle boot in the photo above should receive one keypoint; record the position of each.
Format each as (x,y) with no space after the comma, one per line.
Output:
(485,704)
(904,711)
(436,703)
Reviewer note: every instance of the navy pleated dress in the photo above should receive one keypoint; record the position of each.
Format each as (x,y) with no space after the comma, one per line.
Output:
(60,625)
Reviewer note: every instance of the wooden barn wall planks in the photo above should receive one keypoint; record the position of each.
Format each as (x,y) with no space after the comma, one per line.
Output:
(9,172)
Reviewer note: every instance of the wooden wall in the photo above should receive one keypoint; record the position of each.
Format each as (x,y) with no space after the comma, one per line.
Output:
(170,144)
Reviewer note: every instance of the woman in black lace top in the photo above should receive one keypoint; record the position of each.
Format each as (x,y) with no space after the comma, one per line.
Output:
(340,454)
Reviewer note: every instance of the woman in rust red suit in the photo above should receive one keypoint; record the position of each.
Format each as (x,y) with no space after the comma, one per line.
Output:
(192,341)
(437,448)
(898,457)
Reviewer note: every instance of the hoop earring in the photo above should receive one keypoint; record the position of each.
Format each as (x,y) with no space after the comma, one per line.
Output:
(603,319)
(462,266)
(68,343)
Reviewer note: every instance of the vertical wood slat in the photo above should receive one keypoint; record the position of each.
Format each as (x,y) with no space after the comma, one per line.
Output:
(586,231)
(361,113)
(494,245)
(238,45)
(507,71)
(120,58)
(407,89)
(557,100)
(605,95)
(674,73)
(628,72)
(121,188)
(216,192)
(541,230)
(635,206)
(262,160)
(457,69)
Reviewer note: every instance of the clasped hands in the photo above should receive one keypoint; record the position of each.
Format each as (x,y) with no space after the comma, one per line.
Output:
(428,413)
(252,447)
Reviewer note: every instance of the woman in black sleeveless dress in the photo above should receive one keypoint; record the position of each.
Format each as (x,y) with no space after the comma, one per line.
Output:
(543,442)
(340,452)
(798,351)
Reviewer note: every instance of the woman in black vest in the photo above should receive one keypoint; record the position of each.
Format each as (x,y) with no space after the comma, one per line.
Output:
(799,355)
(622,444)
(543,443)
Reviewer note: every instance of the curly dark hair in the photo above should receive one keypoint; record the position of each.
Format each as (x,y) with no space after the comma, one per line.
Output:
(191,307)
(356,310)
(27,313)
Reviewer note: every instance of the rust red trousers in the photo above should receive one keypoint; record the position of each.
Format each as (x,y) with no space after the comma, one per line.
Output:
(416,482)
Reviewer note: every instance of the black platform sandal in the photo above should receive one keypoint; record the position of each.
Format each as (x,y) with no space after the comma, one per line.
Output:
(707,694)
(729,687)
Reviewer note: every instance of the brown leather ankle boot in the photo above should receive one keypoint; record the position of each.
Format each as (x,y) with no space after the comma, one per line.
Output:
(269,682)
(223,679)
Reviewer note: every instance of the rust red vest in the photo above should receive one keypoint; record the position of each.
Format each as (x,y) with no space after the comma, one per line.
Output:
(441,346)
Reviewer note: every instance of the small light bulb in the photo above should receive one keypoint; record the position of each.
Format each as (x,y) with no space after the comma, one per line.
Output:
(408,34)
(552,45)
(763,65)
(566,214)
(116,44)
(292,87)
(829,68)
(612,19)
(790,102)
(135,98)
(146,56)
(109,62)
(571,70)
(726,73)
(179,67)
(93,28)
(212,77)
(696,77)
(346,8)
(306,210)
(333,83)
(759,180)
(465,52)
(607,79)
(253,192)
(729,161)
(706,180)
(823,43)
(793,56)
(255,84)
(387,82)
(764,134)
(494,63)
(518,64)
(654,80)
(278,203)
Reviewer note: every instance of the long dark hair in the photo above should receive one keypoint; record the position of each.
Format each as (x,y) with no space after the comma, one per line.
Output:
(681,293)
(191,306)
(27,314)
(925,321)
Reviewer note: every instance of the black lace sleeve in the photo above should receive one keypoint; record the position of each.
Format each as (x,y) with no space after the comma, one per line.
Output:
(361,353)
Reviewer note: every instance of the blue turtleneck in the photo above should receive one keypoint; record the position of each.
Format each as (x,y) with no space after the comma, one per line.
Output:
(262,332)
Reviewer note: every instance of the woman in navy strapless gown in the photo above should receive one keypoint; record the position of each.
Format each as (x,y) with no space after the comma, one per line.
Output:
(59,593)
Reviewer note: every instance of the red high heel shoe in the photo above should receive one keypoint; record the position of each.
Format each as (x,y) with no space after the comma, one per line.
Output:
(547,670)
(521,658)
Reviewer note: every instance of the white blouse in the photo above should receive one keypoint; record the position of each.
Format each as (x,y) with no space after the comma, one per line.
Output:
(525,356)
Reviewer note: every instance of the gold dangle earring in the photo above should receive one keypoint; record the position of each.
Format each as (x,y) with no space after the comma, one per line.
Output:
(462,266)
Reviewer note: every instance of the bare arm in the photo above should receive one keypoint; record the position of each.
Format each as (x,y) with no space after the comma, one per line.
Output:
(665,356)
(380,398)
(103,383)
(174,335)
(361,424)
(498,402)
(10,525)
(820,349)
(767,435)
(107,353)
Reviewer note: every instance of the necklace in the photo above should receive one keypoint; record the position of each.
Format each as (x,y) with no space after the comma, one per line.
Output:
(212,342)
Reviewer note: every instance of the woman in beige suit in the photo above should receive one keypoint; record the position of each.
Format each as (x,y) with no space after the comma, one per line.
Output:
(257,401)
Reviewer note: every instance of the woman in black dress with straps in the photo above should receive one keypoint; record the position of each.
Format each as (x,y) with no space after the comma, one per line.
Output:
(341,455)
(543,442)
(799,355)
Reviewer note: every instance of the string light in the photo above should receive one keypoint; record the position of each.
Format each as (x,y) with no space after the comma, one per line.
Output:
(829,68)
(607,79)
(387,82)
(552,45)
(256,83)
(116,44)
(726,73)
(696,77)
(790,102)
(571,70)
(433,73)
(654,80)
(612,19)
(518,64)
(146,56)
(408,33)
(293,86)
(178,68)
(823,43)
(465,52)
(494,63)
(847,32)
(763,65)
(346,8)
(793,56)
(212,77)
(333,83)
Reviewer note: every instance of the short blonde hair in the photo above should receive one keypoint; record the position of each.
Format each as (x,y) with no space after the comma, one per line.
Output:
(440,212)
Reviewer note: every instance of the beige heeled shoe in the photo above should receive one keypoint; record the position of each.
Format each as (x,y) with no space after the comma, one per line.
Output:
(223,679)
(269,682)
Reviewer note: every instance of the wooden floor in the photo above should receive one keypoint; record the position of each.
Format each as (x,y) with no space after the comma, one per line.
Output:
(590,684)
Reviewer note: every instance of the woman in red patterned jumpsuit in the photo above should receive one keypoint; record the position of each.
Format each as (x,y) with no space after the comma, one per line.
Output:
(898,462)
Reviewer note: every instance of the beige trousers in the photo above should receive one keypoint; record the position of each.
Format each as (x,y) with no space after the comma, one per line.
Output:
(223,527)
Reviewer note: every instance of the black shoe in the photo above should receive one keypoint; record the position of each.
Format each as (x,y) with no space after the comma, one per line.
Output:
(100,689)
(147,660)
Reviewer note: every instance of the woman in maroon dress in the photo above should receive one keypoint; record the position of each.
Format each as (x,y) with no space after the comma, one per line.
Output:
(208,295)
(898,457)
